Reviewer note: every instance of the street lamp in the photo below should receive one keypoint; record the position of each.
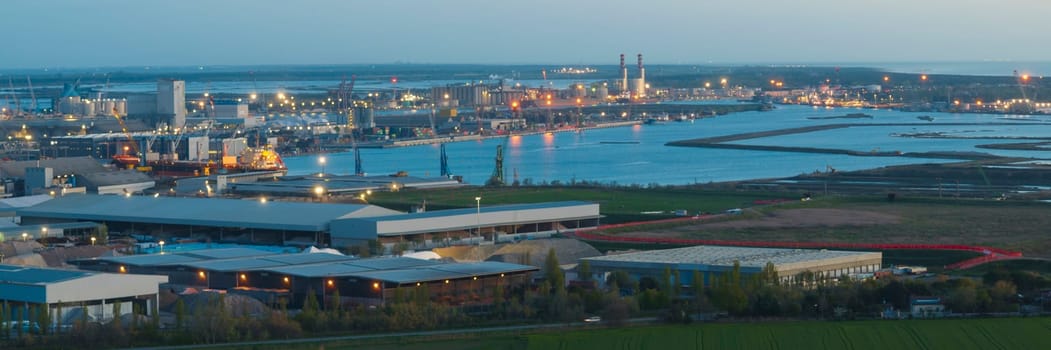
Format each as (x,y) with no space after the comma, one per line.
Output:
(25,236)
(43,232)
(319,191)
(321,161)
(478,215)
(162,246)
(93,240)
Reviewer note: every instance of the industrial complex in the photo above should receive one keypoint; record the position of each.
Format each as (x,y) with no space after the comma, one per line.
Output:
(304,223)
(712,261)
(359,280)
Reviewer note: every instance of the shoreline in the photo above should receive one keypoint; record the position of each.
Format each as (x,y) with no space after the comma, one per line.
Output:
(474,137)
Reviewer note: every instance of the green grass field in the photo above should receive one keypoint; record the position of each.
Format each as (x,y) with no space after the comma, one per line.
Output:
(1006,333)
(618,204)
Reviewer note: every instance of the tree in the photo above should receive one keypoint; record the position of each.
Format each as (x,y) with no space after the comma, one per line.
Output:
(43,318)
(553,272)
(376,248)
(963,298)
(180,314)
(619,280)
(584,270)
(102,232)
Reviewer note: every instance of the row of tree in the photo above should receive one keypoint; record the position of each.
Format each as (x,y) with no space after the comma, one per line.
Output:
(762,295)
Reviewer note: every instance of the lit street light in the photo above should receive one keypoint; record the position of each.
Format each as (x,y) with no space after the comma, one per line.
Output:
(93,240)
(25,236)
(321,161)
(478,215)
(319,191)
(162,246)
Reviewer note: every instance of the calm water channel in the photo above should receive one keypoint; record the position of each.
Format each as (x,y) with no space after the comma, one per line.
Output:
(611,155)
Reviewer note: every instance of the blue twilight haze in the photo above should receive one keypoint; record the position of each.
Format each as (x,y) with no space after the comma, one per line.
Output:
(77,33)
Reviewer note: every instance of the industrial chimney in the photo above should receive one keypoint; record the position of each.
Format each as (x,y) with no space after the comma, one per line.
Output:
(640,84)
(624,87)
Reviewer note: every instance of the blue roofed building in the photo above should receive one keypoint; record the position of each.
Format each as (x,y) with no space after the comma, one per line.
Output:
(64,291)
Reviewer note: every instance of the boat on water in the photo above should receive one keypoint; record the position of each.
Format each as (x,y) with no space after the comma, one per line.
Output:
(263,158)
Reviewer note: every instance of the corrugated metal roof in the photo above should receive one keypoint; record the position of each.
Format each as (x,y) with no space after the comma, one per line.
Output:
(36,275)
(474,210)
(23,202)
(726,256)
(391,263)
(215,212)
(149,260)
(484,268)
(61,166)
(308,258)
(444,271)
(228,253)
(267,261)
(320,270)
(184,258)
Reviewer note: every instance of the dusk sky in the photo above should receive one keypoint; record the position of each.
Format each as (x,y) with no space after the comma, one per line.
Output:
(78,33)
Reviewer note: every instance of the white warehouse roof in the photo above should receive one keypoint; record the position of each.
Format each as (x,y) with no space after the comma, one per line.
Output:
(708,258)
(459,219)
(45,285)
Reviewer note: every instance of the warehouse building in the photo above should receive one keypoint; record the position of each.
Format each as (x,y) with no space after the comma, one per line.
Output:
(269,275)
(712,261)
(235,220)
(490,223)
(301,223)
(64,292)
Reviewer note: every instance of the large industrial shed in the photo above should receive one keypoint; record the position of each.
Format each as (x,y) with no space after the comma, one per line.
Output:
(370,281)
(712,261)
(220,219)
(494,223)
(70,290)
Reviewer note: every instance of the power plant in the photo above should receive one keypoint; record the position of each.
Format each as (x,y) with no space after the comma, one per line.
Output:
(637,87)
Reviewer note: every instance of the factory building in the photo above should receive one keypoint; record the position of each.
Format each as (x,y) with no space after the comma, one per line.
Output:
(171,101)
(71,175)
(460,95)
(233,220)
(300,223)
(67,292)
(712,261)
(71,103)
(271,275)
(490,223)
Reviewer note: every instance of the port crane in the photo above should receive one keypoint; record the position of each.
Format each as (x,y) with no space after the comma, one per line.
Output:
(345,103)
(32,95)
(125,159)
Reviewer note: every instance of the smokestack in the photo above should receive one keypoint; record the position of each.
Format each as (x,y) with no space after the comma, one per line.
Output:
(642,77)
(624,71)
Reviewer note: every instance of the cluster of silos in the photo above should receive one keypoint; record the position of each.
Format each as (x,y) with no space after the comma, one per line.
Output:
(71,103)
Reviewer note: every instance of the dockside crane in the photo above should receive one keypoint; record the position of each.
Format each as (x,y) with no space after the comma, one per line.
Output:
(497,179)
(346,91)
(32,95)
(126,159)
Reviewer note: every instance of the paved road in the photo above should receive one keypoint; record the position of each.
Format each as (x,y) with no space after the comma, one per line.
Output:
(393,335)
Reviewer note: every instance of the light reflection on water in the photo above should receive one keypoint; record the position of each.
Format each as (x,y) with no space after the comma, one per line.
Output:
(610,155)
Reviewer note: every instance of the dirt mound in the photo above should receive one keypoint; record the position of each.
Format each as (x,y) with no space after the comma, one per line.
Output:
(16,247)
(791,218)
(26,260)
(235,305)
(534,252)
(467,253)
(59,257)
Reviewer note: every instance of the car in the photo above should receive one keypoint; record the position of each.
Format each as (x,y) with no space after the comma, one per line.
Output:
(593,319)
